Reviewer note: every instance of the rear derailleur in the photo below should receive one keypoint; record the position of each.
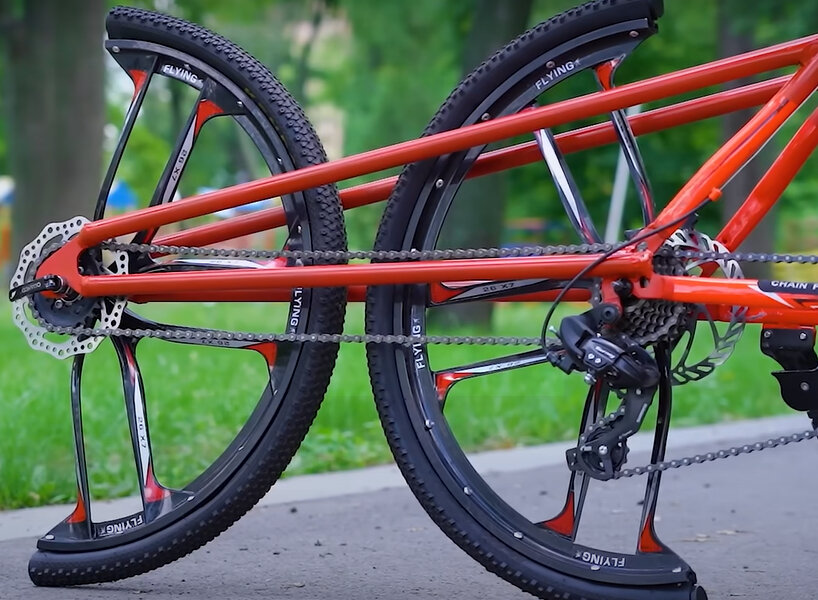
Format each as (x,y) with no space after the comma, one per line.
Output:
(590,343)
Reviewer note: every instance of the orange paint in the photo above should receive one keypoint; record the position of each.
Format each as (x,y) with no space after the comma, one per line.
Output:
(79,515)
(563,523)
(153,491)
(647,539)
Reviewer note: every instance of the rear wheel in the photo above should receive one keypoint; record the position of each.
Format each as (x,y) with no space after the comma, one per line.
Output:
(204,468)
(426,396)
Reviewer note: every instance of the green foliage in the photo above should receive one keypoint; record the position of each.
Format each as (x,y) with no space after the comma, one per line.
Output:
(391,83)
(771,21)
(197,397)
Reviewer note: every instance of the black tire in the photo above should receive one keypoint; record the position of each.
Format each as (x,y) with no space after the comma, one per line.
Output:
(265,445)
(423,440)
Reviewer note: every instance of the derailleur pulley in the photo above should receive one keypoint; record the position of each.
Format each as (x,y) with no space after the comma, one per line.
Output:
(590,343)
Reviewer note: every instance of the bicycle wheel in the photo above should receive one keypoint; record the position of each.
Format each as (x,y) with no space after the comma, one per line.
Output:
(426,395)
(181,509)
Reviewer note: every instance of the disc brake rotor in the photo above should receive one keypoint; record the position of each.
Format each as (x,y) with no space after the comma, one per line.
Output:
(725,340)
(28,315)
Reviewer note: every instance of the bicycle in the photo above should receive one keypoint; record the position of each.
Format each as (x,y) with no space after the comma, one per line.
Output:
(79,282)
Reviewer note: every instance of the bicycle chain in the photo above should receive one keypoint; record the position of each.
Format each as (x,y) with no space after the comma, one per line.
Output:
(335,256)
(698,459)
(448,254)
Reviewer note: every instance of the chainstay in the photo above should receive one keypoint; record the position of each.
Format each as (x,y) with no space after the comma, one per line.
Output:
(380,255)
(331,256)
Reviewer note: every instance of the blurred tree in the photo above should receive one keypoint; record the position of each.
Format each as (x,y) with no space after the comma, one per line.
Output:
(4,166)
(55,112)
(401,65)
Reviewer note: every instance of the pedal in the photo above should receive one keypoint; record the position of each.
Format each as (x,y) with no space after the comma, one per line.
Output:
(794,350)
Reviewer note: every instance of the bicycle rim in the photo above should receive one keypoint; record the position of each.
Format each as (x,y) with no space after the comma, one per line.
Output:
(232,448)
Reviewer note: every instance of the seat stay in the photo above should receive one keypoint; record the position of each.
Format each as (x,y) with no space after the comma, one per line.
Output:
(627,141)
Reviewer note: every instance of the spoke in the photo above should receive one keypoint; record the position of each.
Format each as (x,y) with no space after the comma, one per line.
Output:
(269,350)
(648,540)
(630,149)
(567,521)
(444,380)
(81,517)
(140,67)
(566,187)
(78,525)
(156,499)
(210,103)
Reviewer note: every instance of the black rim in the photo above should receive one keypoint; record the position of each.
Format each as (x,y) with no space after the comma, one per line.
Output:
(218,97)
(426,387)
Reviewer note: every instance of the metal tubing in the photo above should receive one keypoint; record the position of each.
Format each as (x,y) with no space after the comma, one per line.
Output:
(731,157)
(518,155)
(772,184)
(478,134)
(557,267)
(733,292)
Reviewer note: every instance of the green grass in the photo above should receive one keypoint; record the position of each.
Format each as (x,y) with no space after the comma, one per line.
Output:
(199,396)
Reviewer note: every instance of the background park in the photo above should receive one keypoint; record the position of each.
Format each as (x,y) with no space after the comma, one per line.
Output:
(368,74)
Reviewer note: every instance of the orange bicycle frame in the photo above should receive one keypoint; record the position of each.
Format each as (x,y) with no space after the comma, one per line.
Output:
(780,97)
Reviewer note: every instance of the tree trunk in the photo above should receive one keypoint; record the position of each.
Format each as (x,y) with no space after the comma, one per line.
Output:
(480,220)
(54,62)
(732,42)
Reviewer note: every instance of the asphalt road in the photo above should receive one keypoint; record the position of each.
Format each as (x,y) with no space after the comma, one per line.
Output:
(745,524)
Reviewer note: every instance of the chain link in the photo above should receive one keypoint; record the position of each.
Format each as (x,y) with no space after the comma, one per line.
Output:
(698,459)
(335,256)
(205,335)
(376,255)
(214,335)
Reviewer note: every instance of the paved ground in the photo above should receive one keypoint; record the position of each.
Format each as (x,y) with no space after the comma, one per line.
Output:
(745,524)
